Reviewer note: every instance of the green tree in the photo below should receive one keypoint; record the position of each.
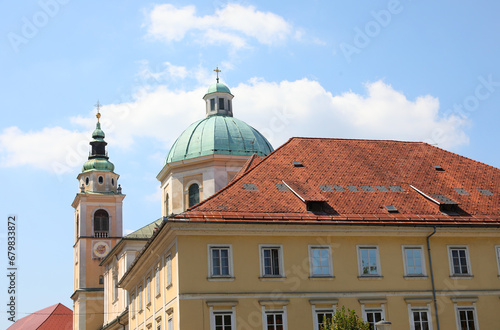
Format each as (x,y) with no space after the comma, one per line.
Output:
(343,320)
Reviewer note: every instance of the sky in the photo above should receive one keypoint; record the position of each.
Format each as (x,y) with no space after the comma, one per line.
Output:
(401,70)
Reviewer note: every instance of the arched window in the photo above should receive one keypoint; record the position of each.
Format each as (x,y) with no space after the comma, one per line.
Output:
(194,194)
(101,223)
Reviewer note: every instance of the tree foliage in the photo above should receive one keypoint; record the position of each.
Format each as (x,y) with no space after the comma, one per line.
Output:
(345,320)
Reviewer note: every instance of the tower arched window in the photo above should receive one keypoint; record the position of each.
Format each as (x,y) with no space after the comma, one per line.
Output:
(101,223)
(194,194)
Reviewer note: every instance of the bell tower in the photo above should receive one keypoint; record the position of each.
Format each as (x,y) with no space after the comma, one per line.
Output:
(98,227)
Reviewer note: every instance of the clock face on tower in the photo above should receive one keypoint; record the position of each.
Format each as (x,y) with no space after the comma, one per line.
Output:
(100,249)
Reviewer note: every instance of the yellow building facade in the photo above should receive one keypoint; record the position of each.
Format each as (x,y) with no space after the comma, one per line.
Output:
(299,295)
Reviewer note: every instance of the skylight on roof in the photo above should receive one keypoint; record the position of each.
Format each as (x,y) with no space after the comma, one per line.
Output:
(391,208)
(444,200)
(249,186)
(338,187)
(352,188)
(368,188)
(396,188)
(382,188)
(325,187)
(282,187)
(485,191)
(438,168)
(296,163)
(461,191)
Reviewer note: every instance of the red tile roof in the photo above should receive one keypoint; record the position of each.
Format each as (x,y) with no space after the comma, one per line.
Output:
(357,179)
(250,163)
(55,317)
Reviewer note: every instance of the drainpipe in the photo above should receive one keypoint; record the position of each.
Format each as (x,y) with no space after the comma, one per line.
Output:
(432,278)
(124,324)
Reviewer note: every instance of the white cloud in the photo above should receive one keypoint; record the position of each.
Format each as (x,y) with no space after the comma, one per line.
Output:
(234,25)
(279,110)
(305,108)
(53,149)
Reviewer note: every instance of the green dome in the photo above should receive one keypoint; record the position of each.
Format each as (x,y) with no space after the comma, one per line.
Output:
(98,164)
(222,135)
(218,88)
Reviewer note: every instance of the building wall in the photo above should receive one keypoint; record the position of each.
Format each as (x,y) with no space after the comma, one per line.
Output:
(195,295)
(164,303)
(393,292)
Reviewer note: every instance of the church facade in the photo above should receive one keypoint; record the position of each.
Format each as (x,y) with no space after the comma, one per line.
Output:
(252,238)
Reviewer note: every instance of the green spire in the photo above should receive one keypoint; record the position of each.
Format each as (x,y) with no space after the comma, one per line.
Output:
(98,158)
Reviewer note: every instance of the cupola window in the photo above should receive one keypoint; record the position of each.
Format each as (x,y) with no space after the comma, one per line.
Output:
(212,104)
(101,223)
(221,103)
(112,182)
(194,194)
(229,105)
(87,181)
(101,180)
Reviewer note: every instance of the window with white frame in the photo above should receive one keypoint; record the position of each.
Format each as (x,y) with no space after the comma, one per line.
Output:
(170,324)
(320,317)
(372,316)
(414,261)
(139,299)
(420,319)
(157,280)
(466,318)
(320,260)
(271,261)
(222,320)
(275,320)
(220,260)
(168,266)
(148,290)
(369,261)
(459,260)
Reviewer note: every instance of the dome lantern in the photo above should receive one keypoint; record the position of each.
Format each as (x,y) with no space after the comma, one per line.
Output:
(218,99)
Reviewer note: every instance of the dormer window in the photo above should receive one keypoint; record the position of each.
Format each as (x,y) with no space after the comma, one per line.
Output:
(221,103)
(212,104)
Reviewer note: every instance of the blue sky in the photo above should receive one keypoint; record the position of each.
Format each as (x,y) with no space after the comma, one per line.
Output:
(404,70)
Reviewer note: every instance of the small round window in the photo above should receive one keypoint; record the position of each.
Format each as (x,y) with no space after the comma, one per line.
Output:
(112,181)
(87,181)
(101,180)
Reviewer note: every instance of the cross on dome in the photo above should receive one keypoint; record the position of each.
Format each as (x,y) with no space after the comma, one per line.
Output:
(217,70)
(98,107)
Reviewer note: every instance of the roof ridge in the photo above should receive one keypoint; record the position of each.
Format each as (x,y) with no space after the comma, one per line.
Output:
(354,139)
